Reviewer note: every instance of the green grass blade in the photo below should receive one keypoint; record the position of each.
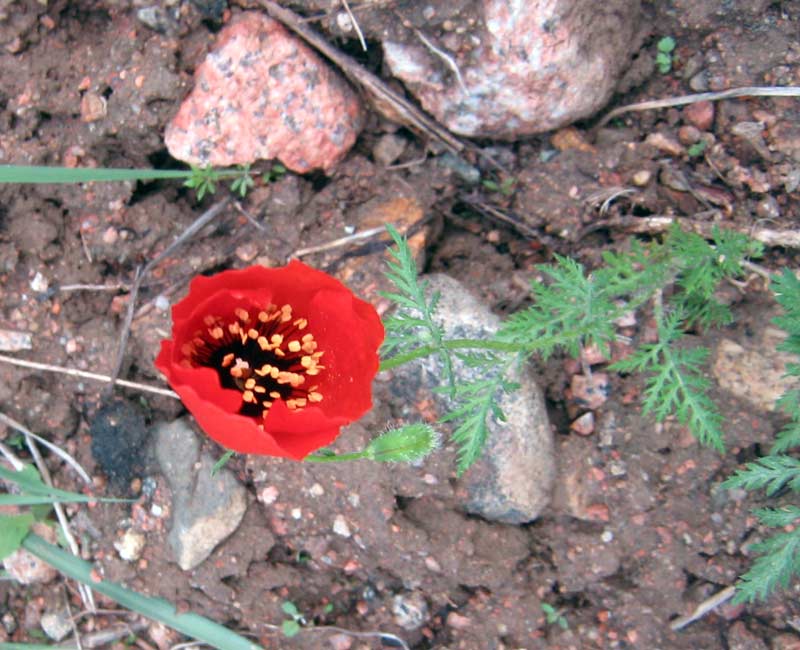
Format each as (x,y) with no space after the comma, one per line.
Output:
(158,609)
(39,500)
(36,646)
(44,174)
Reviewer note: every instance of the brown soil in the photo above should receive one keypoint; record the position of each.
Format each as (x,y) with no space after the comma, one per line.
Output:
(639,531)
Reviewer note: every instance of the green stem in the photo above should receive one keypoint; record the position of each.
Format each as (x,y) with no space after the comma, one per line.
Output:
(335,458)
(452,344)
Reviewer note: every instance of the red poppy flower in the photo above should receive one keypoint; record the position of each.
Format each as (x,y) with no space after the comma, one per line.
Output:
(272,361)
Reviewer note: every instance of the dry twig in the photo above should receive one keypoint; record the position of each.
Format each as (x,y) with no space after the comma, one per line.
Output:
(83,374)
(141,273)
(342,241)
(704,608)
(682,100)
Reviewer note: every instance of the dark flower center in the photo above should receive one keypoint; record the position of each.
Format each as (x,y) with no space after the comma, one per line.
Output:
(267,356)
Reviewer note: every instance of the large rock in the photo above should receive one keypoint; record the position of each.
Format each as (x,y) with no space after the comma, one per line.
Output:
(205,509)
(262,94)
(512,481)
(526,68)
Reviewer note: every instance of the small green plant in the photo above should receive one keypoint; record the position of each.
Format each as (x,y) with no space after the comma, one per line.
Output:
(504,187)
(697,149)
(292,626)
(664,49)
(779,554)
(275,173)
(554,616)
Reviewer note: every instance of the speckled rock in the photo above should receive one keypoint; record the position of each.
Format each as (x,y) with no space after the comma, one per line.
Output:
(205,509)
(512,480)
(756,373)
(262,94)
(528,68)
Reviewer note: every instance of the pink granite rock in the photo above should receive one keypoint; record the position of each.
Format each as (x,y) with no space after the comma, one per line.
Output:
(262,94)
(527,67)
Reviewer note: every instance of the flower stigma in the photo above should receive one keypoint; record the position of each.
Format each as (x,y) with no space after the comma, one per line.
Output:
(267,355)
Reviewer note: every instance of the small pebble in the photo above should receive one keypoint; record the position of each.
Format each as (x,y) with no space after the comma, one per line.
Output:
(388,149)
(607,536)
(56,625)
(642,177)
(39,283)
(93,107)
(457,621)
(700,115)
(268,495)
(689,134)
(110,236)
(665,143)
(584,425)
(340,526)
(297,513)
(316,490)
(162,303)
(130,545)
(247,252)
(11,341)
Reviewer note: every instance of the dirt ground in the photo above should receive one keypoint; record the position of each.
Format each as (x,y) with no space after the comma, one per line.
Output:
(638,532)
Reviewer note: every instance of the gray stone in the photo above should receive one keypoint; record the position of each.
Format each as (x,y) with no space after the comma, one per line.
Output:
(56,625)
(525,68)
(205,509)
(410,610)
(512,481)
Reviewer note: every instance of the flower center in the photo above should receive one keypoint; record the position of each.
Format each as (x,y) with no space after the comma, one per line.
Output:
(267,356)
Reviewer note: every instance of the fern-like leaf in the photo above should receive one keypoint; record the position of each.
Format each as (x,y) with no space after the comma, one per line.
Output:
(676,384)
(476,402)
(770,473)
(412,322)
(778,561)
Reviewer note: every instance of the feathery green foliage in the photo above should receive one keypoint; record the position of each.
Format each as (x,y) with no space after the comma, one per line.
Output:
(779,554)
(412,322)
(573,308)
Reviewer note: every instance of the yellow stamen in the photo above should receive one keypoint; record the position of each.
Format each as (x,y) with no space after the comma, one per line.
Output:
(265,370)
(216,332)
(248,396)
(253,334)
(275,394)
(300,323)
(209,320)
(259,389)
(276,339)
(227,360)
(233,328)
(314,397)
(263,343)
(250,383)
(242,314)
(294,346)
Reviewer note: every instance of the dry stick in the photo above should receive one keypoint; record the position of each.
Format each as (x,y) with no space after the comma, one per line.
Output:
(63,455)
(444,56)
(83,374)
(703,608)
(744,91)
(191,231)
(658,224)
(336,243)
(85,592)
(355,25)
(368,81)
